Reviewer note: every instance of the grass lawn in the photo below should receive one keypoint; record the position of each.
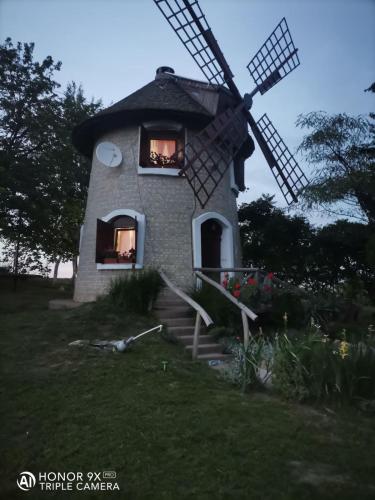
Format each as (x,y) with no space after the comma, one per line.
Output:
(179,433)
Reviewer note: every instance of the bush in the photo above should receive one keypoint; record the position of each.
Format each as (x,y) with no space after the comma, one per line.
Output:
(221,332)
(284,301)
(135,293)
(317,368)
(221,310)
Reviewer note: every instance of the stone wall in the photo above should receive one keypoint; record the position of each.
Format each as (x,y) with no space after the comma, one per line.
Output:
(169,206)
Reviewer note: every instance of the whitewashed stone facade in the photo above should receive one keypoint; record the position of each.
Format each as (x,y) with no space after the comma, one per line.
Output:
(169,207)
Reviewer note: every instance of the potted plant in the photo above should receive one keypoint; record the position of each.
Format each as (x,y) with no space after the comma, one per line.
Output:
(110,257)
(132,255)
(124,258)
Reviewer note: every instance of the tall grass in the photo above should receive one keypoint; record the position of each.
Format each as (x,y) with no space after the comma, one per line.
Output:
(135,293)
(318,368)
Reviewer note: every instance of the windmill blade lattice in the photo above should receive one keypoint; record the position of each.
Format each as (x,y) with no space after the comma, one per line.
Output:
(276,58)
(287,172)
(191,27)
(209,154)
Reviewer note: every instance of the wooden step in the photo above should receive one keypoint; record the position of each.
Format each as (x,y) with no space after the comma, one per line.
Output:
(167,294)
(166,304)
(189,339)
(213,355)
(188,321)
(181,330)
(174,312)
(211,349)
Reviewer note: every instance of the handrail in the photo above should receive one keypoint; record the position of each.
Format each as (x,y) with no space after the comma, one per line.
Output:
(230,297)
(245,311)
(201,313)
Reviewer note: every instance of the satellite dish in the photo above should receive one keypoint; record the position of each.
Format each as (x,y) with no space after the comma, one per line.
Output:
(108,154)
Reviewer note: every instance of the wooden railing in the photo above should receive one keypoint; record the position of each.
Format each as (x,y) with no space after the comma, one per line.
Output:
(200,312)
(245,311)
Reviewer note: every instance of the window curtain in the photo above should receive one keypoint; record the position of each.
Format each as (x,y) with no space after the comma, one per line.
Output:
(125,240)
(163,147)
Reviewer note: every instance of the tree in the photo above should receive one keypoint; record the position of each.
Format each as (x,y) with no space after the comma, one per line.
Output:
(28,111)
(43,181)
(339,255)
(274,241)
(321,258)
(66,190)
(341,148)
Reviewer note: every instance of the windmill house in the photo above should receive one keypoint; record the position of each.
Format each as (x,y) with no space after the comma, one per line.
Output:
(168,162)
(141,209)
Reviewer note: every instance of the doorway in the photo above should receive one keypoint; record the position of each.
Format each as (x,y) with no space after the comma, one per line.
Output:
(211,234)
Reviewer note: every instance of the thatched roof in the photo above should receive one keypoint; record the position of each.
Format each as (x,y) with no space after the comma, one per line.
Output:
(190,102)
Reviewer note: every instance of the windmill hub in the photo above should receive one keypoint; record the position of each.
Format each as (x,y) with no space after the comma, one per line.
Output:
(248,100)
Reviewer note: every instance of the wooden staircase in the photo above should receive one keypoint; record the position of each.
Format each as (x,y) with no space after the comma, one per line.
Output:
(178,316)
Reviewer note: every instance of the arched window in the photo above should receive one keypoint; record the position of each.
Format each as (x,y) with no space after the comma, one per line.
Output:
(120,240)
(116,240)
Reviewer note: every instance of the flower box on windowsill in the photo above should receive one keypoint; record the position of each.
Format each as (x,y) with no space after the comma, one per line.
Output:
(125,260)
(110,260)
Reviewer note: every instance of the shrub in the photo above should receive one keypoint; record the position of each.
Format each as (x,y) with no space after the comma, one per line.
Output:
(221,332)
(135,293)
(221,310)
(255,292)
(284,301)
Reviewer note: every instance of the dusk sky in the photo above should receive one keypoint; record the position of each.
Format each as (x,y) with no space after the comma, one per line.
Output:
(113,47)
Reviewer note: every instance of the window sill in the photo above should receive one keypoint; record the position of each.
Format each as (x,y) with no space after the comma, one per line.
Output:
(103,267)
(158,171)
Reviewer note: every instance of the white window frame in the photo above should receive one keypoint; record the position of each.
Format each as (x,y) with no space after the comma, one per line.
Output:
(159,125)
(141,232)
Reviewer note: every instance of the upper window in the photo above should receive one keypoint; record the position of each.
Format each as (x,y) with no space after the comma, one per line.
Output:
(161,148)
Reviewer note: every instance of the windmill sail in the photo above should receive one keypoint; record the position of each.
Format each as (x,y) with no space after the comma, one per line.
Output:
(191,27)
(275,59)
(285,169)
(209,154)
(208,157)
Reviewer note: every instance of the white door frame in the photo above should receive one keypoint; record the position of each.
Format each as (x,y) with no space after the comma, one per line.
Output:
(226,246)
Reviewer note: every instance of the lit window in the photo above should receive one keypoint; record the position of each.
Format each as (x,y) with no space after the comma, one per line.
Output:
(116,240)
(161,149)
(125,242)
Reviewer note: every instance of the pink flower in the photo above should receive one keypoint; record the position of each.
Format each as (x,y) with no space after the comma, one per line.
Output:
(237,286)
(270,276)
(236,293)
(251,281)
(225,283)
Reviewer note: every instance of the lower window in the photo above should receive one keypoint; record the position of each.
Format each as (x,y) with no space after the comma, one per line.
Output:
(116,240)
